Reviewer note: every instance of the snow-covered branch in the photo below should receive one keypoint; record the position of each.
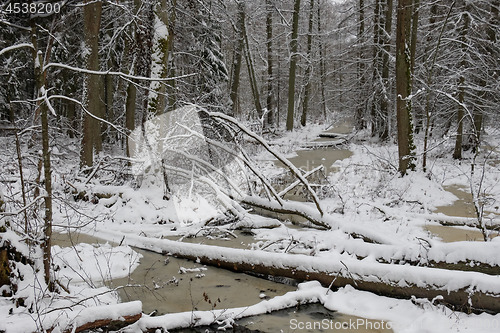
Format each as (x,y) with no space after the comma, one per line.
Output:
(15,47)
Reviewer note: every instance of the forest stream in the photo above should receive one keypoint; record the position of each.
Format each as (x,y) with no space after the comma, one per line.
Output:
(169,285)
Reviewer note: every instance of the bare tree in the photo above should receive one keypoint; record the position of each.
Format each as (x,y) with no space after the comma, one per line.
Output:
(293,66)
(406,147)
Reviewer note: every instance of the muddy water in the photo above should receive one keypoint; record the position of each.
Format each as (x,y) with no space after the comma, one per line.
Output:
(169,289)
(313,318)
(166,284)
(309,159)
(462,207)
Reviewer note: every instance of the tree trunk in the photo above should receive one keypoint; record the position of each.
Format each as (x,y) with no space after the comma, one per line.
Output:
(91,128)
(42,109)
(419,113)
(321,63)
(307,76)
(376,88)
(406,147)
(162,56)
(171,84)
(238,54)
(360,108)
(251,74)
(270,79)
(414,30)
(384,100)
(130,108)
(401,281)
(457,153)
(293,66)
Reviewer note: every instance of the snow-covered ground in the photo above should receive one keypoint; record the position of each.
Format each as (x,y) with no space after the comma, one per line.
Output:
(366,196)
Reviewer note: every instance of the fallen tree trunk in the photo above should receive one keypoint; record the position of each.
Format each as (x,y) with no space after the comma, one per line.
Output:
(111,317)
(332,135)
(443,219)
(326,221)
(466,291)
(323,144)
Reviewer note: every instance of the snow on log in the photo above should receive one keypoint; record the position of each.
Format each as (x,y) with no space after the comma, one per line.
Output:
(323,144)
(443,219)
(112,316)
(306,293)
(332,135)
(276,154)
(328,222)
(462,290)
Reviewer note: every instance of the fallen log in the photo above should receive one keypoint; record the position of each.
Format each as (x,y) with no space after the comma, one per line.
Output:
(443,219)
(111,317)
(327,221)
(323,144)
(465,291)
(332,135)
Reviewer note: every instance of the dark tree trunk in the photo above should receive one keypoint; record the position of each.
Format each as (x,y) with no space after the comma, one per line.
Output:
(293,66)
(406,146)
(308,78)
(270,79)
(360,108)
(238,56)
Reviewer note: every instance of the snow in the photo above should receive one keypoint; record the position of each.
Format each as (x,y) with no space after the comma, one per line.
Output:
(93,263)
(403,316)
(377,204)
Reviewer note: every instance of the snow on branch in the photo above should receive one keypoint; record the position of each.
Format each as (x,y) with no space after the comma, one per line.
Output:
(285,161)
(15,47)
(121,74)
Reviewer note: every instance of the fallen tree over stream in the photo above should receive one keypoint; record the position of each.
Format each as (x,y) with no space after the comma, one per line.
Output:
(465,291)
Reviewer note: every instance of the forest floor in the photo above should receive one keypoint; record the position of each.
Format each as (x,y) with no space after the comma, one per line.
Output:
(365,193)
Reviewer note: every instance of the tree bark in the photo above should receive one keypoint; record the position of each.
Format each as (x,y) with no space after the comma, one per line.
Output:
(321,63)
(293,66)
(457,153)
(162,50)
(377,48)
(42,109)
(384,100)
(360,108)
(307,76)
(270,79)
(406,147)
(91,128)
(238,56)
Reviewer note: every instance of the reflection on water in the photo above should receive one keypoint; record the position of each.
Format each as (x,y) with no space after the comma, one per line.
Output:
(167,289)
